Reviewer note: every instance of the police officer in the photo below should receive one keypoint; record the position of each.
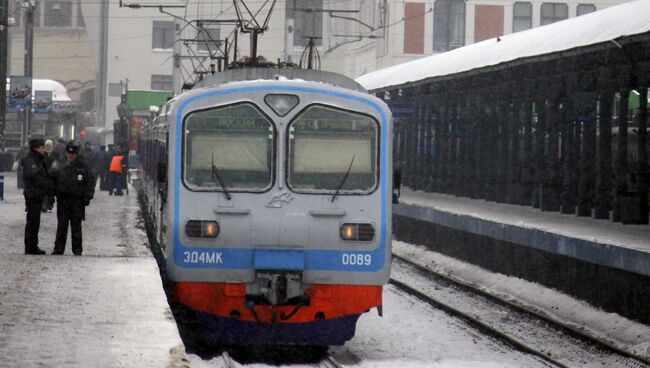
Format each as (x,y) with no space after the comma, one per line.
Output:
(75,187)
(37,186)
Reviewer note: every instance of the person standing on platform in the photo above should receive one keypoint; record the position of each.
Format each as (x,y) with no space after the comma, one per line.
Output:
(22,153)
(37,184)
(58,152)
(100,167)
(75,187)
(115,172)
(107,163)
(49,145)
(88,155)
(48,201)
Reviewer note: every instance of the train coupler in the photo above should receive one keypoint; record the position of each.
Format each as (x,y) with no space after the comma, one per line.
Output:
(278,288)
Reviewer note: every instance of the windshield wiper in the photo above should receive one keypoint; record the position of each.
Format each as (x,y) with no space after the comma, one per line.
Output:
(215,174)
(345,178)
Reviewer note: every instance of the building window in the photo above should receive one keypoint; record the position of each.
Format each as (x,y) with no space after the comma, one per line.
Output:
(414,28)
(18,13)
(14,12)
(163,34)
(38,5)
(208,39)
(522,18)
(585,9)
(160,82)
(448,24)
(81,23)
(307,18)
(554,12)
(58,14)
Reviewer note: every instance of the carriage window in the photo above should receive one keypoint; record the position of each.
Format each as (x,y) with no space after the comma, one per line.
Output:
(331,149)
(232,143)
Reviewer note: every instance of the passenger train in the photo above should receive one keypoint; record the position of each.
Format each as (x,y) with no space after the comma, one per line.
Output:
(270,193)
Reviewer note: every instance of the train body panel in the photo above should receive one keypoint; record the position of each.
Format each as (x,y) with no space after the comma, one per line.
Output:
(278,199)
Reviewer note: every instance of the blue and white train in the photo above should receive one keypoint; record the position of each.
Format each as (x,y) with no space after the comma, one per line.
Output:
(270,191)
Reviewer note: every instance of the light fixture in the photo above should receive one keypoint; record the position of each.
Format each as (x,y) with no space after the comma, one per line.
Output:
(202,229)
(281,104)
(357,232)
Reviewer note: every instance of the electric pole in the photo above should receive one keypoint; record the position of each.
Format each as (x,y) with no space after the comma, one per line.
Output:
(102,72)
(4,45)
(29,56)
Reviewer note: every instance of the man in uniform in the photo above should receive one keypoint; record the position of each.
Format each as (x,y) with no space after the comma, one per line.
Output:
(75,187)
(101,166)
(37,186)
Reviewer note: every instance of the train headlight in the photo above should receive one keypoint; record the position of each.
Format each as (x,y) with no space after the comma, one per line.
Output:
(202,229)
(357,232)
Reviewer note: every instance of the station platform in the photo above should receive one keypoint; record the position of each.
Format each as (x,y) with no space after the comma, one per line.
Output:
(106,308)
(604,263)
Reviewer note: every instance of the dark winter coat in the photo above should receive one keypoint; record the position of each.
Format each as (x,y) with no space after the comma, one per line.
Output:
(75,180)
(100,161)
(37,182)
(58,153)
(89,156)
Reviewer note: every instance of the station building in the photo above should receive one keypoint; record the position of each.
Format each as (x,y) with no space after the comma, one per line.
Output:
(151,50)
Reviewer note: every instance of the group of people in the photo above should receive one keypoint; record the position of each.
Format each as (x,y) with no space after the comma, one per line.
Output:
(71,183)
(109,167)
(66,174)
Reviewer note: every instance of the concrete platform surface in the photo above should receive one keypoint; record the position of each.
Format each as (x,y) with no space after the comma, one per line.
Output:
(106,308)
(602,242)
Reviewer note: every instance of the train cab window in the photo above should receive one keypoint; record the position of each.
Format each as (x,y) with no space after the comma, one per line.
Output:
(332,151)
(230,146)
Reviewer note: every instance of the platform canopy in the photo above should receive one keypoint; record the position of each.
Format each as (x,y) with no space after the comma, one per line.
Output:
(608,26)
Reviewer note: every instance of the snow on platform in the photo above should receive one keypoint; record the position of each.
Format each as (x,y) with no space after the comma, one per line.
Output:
(602,242)
(106,308)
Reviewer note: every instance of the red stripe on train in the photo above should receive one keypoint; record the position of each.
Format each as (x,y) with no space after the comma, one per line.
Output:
(332,301)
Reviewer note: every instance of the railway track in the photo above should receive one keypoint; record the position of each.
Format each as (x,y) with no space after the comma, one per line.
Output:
(330,362)
(227,360)
(327,362)
(524,330)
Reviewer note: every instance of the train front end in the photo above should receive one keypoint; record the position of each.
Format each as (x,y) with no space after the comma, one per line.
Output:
(280,205)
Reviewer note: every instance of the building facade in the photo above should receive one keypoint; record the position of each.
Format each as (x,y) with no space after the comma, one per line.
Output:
(149,49)
(63,51)
(405,31)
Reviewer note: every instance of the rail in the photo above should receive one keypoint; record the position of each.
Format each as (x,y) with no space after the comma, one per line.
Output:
(581,340)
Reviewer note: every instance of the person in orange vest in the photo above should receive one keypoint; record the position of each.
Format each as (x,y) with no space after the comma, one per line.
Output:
(115,172)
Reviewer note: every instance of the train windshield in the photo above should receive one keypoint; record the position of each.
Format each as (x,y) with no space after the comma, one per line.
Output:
(332,151)
(235,141)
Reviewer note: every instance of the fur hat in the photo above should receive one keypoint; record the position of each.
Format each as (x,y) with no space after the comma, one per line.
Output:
(72,147)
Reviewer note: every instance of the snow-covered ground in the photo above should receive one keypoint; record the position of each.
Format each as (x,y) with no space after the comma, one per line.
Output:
(106,308)
(412,334)
(599,231)
(610,327)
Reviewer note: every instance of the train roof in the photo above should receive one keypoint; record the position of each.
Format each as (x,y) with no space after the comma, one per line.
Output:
(250,74)
(603,27)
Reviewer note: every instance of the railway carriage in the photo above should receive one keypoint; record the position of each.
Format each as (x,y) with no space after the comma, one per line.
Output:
(270,191)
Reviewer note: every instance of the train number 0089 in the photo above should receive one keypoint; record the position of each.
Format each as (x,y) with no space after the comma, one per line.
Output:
(354,259)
